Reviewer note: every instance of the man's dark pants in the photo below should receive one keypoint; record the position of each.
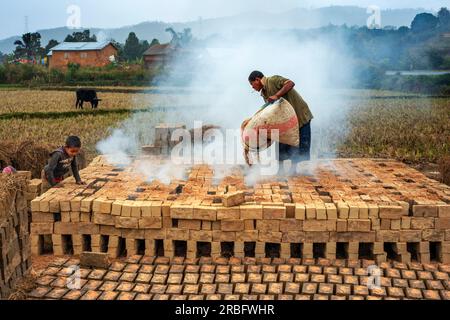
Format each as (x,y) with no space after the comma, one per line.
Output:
(300,153)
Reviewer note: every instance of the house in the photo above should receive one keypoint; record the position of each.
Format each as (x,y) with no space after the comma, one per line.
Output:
(159,55)
(86,54)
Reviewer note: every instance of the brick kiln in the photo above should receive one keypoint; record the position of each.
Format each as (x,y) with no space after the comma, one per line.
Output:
(350,208)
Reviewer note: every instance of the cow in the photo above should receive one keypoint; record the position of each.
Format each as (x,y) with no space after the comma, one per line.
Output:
(87,95)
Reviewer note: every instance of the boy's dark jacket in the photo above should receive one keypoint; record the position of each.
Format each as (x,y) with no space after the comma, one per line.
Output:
(59,165)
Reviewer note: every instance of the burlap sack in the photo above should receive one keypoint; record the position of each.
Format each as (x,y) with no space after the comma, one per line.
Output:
(279,116)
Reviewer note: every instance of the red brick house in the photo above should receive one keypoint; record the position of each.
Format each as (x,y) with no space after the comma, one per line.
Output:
(86,54)
(158,55)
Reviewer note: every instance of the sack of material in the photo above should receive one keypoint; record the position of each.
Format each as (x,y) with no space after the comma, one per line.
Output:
(279,116)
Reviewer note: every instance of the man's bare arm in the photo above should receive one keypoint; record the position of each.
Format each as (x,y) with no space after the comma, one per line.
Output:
(285,89)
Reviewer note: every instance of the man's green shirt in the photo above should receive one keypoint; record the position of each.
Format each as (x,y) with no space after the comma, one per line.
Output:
(274,84)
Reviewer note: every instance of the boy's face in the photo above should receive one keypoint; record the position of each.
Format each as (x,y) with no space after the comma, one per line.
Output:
(71,151)
(257,84)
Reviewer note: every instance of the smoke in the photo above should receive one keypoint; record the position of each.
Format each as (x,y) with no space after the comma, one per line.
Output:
(216,91)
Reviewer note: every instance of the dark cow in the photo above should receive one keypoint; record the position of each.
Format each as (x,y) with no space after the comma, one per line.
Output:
(87,95)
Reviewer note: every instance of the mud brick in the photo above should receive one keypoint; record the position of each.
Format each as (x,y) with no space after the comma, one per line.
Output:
(432,235)
(233,199)
(395,292)
(268,225)
(179,211)
(85,217)
(321,213)
(41,228)
(425,210)
(224,235)
(406,223)
(385,224)
(85,205)
(300,211)
(136,211)
(227,213)
(96,260)
(293,237)
(391,212)
(105,219)
(247,235)
(232,225)
(291,225)
(249,224)
(248,212)
(75,216)
(42,217)
(442,223)
(307,250)
(146,209)
(310,211)
(127,208)
(396,224)
(150,223)
(126,222)
(319,225)
(422,223)
(387,236)
(341,225)
(200,235)
(104,230)
(175,234)
(444,211)
(410,235)
(116,207)
(157,208)
(274,212)
(331,211)
(205,213)
(270,237)
(165,208)
(373,210)
(361,225)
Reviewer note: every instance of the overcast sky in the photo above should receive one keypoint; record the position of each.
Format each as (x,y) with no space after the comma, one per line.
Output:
(45,14)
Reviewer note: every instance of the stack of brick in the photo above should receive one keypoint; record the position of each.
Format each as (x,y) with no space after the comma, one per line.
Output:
(14,229)
(164,139)
(380,210)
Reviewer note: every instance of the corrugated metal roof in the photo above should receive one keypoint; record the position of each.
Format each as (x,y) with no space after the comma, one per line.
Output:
(80,46)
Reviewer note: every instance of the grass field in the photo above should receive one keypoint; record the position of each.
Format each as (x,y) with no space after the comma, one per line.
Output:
(378,123)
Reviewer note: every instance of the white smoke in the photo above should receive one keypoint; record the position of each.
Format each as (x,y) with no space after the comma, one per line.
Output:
(219,93)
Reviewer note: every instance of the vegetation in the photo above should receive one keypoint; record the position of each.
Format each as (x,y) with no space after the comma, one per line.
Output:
(84,36)
(377,124)
(35,75)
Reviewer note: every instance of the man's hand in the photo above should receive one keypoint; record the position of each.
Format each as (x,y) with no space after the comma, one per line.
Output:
(81,183)
(272,99)
(59,185)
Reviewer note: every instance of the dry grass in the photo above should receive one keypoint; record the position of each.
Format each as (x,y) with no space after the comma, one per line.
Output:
(412,130)
(53,132)
(59,101)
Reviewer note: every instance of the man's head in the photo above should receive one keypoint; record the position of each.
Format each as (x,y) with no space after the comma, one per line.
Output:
(73,146)
(255,80)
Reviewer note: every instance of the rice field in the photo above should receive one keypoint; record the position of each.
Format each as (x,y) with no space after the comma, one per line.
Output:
(377,124)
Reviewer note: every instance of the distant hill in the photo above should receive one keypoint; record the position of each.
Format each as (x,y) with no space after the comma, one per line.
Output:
(294,19)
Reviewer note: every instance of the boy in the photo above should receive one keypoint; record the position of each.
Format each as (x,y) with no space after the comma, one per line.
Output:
(60,161)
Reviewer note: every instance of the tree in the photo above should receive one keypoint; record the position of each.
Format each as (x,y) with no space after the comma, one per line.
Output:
(132,48)
(84,36)
(29,47)
(424,22)
(154,42)
(444,18)
(52,43)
